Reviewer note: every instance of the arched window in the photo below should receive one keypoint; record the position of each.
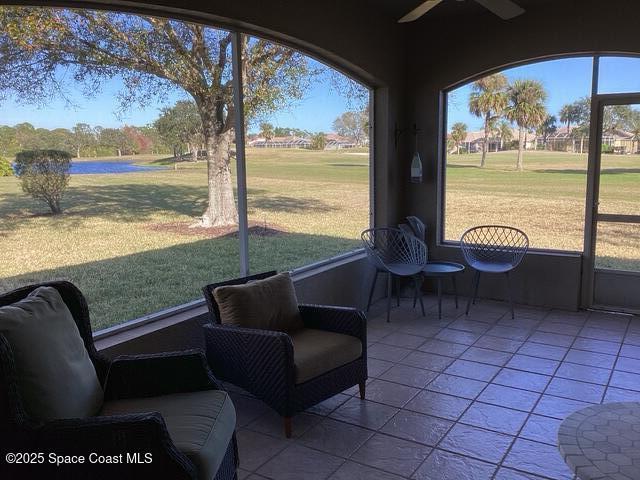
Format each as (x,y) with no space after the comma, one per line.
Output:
(147,109)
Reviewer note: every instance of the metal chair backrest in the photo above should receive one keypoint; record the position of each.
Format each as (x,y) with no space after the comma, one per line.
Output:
(386,246)
(418,227)
(494,244)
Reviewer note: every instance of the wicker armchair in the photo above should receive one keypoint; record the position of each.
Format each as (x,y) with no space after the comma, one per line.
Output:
(262,361)
(129,377)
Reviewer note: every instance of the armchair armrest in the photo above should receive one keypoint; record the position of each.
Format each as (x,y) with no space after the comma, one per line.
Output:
(348,321)
(133,376)
(110,436)
(260,361)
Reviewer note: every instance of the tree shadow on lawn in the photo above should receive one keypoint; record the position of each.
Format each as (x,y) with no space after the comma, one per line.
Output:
(282,203)
(135,203)
(130,286)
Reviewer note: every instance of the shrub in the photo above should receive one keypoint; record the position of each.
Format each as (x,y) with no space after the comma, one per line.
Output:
(44,175)
(607,149)
(5,168)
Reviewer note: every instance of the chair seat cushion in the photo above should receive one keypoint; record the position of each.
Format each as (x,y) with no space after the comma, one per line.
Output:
(317,351)
(268,304)
(200,424)
(55,375)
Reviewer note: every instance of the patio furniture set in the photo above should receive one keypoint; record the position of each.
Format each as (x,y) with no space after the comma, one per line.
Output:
(59,394)
(402,253)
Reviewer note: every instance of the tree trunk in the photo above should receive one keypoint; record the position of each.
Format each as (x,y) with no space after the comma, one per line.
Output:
(519,165)
(485,141)
(221,209)
(54,205)
(581,144)
(119,152)
(77,152)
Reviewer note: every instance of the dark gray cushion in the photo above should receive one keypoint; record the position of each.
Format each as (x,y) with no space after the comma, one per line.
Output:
(268,304)
(56,377)
(200,424)
(316,352)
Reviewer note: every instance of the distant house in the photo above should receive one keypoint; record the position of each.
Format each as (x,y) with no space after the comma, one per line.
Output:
(333,141)
(620,141)
(615,140)
(474,140)
(561,141)
(280,142)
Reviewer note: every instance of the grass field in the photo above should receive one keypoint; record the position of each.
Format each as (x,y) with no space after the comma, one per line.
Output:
(111,240)
(547,200)
(123,238)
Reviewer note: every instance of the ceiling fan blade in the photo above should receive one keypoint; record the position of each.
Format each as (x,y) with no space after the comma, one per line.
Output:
(420,10)
(505,9)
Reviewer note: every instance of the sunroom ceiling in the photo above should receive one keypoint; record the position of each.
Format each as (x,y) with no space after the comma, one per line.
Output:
(447,8)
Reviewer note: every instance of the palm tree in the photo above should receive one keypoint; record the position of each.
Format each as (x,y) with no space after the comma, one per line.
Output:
(504,132)
(546,128)
(458,134)
(526,108)
(570,113)
(488,100)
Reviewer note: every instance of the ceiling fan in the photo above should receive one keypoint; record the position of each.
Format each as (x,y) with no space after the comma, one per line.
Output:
(505,9)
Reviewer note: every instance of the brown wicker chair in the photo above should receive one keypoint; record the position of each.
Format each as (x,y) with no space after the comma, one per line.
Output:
(262,361)
(129,377)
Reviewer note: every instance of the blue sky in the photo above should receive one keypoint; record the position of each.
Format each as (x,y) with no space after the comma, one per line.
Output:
(565,81)
(315,112)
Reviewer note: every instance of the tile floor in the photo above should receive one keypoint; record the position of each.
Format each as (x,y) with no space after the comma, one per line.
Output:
(466,397)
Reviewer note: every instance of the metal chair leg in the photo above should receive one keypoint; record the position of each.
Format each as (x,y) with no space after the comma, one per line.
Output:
(509,294)
(398,290)
(476,282)
(455,289)
(439,279)
(418,293)
(389,294)
(373,287)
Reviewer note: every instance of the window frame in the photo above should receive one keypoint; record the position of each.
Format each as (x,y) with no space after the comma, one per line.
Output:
(238,28)
(442,142)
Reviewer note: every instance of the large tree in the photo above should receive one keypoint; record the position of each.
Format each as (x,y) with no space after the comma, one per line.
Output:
(526,109)
(488,100)
(354,125)
(153,56)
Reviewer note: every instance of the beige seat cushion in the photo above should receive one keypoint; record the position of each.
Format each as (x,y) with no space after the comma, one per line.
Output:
(316,352)
(55,375)
(268,304)
(200,424)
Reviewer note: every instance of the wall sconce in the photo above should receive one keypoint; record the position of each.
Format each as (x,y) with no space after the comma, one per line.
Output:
(416,161)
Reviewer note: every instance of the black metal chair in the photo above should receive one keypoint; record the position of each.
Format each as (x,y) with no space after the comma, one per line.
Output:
(493,249)
(396,253)
(127,378)
(263,361)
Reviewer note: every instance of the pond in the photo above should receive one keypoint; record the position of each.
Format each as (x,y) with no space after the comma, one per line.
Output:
(97,167)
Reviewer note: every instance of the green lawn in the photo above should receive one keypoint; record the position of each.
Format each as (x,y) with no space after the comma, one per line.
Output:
(547,200)
(123,240)
(111,243)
